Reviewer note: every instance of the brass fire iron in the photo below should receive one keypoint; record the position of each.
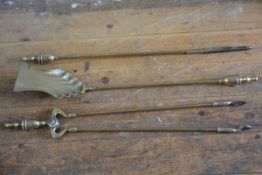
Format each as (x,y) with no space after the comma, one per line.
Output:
(60,83)
(45,58)
(58,131)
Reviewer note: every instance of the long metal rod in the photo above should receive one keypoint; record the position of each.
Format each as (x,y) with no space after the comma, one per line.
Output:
(130,86)
(150,129)
(58,133)
(161,108)
(45,58)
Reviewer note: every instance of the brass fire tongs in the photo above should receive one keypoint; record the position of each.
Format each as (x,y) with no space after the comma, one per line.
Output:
(60,83)
(58,131)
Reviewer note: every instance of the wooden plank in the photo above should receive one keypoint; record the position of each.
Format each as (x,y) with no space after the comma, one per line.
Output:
(69,7)
(227,16)
(141,154)
(133,26)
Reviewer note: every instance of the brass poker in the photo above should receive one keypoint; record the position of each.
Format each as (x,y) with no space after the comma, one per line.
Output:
(45,58)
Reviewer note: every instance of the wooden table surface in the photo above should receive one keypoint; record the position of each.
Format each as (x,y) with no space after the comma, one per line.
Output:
(75,28)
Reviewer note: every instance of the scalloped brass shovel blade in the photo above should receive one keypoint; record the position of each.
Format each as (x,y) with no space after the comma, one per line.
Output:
(55,82)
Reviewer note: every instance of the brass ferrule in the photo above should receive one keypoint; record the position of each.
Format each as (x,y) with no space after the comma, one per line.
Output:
(228,103)
(227,130)
(72,115)
(72,129)
(26,124)
(236,80)
(222,103)
(40,58)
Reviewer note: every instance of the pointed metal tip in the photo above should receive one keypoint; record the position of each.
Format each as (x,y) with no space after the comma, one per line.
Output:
(246,127)
(237,103)
(235,48)
(243,48)
(248,47)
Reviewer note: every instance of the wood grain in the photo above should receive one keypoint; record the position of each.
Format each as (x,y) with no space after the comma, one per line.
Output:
(31,26)
(66,29)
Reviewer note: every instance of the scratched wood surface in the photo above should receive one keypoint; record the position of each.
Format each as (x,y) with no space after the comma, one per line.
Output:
(75,28)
